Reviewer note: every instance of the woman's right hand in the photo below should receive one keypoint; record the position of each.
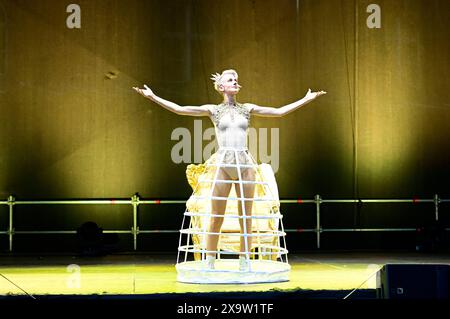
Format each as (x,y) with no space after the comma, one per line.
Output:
(146,92)
(312,95)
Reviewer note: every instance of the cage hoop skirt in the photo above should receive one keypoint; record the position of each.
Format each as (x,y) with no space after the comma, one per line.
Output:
(264,246)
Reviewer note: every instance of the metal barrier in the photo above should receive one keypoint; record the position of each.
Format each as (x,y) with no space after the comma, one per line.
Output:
(135,201)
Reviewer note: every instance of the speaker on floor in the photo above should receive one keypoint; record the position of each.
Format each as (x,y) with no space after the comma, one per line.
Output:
(413,281)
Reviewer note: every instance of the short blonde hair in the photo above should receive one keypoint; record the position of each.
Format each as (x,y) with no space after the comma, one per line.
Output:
(217,78)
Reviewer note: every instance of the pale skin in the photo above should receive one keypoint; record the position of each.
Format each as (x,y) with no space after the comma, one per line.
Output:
(229,88)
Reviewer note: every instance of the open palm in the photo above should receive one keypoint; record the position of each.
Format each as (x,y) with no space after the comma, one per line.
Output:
(147,92)
(312,95)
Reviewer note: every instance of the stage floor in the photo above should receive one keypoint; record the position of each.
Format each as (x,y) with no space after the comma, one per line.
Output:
(128,274)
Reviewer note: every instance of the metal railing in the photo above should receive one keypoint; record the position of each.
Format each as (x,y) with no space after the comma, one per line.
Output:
(135,201)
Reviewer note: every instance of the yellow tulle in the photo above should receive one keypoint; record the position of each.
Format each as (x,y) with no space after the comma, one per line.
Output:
(195,173)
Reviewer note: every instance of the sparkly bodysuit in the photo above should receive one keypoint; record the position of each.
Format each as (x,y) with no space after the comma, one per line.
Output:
(231,123)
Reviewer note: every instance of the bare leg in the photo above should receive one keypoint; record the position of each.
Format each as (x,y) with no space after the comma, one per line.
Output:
(249,190)
(217,208)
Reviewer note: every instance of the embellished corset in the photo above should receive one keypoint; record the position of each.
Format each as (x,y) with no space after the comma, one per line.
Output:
(231,123)
(221,109)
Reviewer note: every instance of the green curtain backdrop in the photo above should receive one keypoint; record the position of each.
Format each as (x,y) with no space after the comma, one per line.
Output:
(72,127)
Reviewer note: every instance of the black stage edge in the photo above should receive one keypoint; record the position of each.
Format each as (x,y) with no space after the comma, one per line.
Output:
(272,304)
(297,294)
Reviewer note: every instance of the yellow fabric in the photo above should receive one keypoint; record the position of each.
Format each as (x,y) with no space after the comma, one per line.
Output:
(196,173)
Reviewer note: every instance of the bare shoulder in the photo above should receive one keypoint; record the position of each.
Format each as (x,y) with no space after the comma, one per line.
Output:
(250,106)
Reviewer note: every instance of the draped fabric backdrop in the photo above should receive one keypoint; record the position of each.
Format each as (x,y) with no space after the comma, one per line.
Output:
(72,127)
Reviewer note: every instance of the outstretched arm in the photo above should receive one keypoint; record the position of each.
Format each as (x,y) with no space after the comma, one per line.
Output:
(277,112)
(173,107)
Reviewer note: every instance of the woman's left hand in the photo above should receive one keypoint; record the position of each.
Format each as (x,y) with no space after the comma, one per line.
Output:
(312,95)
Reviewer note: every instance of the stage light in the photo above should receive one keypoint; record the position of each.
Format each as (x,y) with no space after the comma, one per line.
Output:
(90,236)
(89,231)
